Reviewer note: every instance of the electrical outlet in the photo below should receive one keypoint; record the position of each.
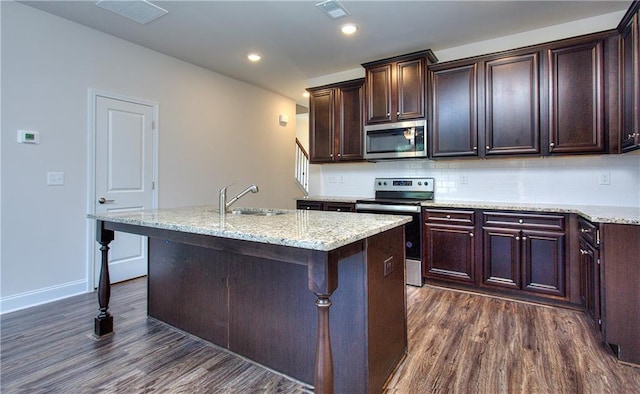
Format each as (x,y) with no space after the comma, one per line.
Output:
(464,179)
(605,178)
(388,266)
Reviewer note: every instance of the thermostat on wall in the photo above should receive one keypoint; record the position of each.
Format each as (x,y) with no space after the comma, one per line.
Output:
(28,137)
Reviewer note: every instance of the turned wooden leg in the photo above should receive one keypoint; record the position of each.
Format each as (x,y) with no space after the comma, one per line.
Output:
(104,320)
(323,377)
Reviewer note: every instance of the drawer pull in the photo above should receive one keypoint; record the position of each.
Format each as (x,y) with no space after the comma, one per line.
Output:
(448,216)
(585,230)
(471,234)
(524,238)
(520,221)
(517,238)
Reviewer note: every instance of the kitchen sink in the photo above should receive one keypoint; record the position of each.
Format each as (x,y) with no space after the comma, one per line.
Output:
(257,212)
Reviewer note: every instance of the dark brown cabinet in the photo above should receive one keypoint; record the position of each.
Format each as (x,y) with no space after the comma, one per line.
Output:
(512,104)
(335,122)
(620,257)
(576,77)
(629,49)
(454,115)
(590,273)
(554,98)
(450,245)
(524,251)
(395,87)
(316,205)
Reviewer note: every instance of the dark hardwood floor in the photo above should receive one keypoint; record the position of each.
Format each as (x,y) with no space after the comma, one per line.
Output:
(458,343)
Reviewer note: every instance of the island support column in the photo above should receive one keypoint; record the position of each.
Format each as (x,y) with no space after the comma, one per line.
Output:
(104,320)
(323,281)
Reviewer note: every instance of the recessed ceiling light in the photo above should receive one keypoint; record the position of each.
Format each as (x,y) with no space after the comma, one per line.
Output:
(349,29)
(254,57)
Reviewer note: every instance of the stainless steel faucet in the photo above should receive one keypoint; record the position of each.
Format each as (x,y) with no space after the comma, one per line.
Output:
(223,205)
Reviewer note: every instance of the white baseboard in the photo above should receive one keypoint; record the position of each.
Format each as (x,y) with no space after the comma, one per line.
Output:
(41,296)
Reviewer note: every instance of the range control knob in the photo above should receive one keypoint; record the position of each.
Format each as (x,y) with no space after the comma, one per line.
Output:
(419,183)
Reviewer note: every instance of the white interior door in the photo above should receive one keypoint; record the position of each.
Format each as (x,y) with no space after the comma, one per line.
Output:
(123,178)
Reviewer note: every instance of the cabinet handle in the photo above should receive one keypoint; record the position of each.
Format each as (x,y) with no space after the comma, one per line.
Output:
(552,145)
(517,238)
(524,238)
(585,230)
(488,147)
(471,234)
(388,114)
(448,216)
(475,148)
(308,208)
(520,221)
(398,113)
(338,210)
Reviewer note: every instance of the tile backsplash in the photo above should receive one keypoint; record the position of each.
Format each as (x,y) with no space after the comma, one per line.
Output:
(585,180)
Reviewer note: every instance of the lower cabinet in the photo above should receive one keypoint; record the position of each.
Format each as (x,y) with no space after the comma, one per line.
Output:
(450,245)
(523,251)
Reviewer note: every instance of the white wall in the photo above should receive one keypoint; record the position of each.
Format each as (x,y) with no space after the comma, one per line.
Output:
(567,179)
(213,131)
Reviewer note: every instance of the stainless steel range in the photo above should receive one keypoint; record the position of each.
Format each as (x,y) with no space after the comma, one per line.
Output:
(403,196)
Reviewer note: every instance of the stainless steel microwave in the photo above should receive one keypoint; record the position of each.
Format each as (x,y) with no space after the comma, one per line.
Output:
(396,140)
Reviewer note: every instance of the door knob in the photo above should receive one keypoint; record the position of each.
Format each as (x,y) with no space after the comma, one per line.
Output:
(103,200)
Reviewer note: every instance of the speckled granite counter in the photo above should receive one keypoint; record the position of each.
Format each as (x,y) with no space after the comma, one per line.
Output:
(593,213)
(316,230)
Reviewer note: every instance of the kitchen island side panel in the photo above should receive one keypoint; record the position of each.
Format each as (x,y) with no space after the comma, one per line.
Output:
(269,314)
(187,288)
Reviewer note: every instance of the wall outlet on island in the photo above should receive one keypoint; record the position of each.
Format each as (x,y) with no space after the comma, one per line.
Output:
(605,178)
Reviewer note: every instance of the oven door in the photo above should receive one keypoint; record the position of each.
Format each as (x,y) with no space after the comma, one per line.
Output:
(412,235)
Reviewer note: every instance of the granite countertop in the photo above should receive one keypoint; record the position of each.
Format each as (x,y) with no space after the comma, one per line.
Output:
(593,213)
(316,230)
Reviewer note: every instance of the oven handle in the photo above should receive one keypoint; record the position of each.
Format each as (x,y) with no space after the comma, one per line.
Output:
(388,208)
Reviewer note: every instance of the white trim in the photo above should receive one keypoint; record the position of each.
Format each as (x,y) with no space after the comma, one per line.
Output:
(42,296)
(92,95)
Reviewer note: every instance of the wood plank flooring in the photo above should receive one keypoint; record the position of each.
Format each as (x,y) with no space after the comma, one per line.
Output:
(458,343)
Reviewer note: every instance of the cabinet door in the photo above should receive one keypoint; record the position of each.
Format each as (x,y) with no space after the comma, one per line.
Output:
(379,94)
(512,110)
(590,282)
(454,129)
(410,89)
(630,86)
(543,262)
(450,253)
(576,110)
(350,122)
(501,258)
(321,125)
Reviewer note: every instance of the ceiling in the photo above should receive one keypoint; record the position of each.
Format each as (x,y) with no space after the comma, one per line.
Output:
(299,42)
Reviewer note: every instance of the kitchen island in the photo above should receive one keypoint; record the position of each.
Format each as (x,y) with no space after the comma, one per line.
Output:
(261,283)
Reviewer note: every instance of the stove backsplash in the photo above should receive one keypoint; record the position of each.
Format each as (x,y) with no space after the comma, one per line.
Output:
(572,180)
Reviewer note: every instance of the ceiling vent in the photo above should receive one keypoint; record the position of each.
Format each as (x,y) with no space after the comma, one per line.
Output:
(333,8)
(140,11)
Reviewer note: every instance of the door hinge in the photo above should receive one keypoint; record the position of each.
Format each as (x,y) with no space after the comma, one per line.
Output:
(153,186)
(153,124)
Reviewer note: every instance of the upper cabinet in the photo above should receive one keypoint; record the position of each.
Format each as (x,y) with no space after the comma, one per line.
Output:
(543,100)
(629,47)
(512,104)
(454,117)
(395,87)
(335,122)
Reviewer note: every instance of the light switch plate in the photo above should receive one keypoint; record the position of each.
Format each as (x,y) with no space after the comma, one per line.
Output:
(55,178)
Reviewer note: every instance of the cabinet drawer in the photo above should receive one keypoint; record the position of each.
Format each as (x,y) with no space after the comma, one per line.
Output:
(523,220)
(588,231)
(339,207)
(310,205)
(448,216)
